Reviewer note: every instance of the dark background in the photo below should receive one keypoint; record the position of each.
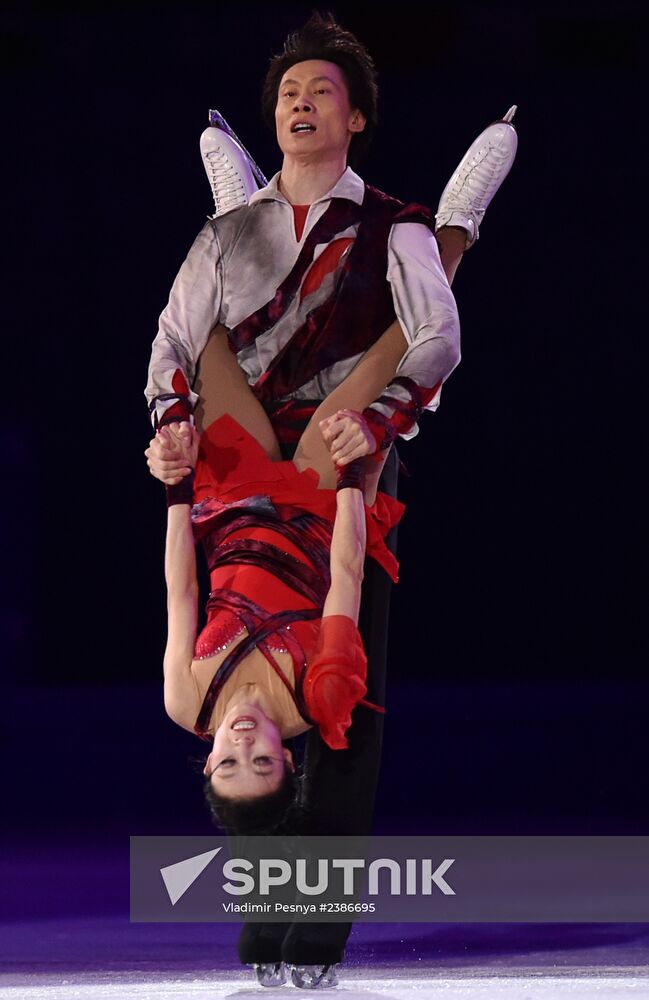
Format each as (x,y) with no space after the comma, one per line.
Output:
(518,656)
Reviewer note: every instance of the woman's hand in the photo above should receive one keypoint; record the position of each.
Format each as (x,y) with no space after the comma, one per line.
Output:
(348,436)
(172,453)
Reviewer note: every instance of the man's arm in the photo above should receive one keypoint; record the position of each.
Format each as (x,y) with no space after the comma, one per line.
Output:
(185,324)
(427,312)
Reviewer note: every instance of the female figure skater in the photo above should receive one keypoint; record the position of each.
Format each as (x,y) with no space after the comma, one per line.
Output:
(280,651)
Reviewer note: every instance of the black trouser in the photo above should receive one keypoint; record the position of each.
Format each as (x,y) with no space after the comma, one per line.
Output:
(340,784)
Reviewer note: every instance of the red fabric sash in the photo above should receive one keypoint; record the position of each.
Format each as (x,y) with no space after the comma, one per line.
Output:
(340,214)
(357,312)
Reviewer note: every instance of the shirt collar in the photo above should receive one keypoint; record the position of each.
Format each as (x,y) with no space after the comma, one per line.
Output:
(349,185)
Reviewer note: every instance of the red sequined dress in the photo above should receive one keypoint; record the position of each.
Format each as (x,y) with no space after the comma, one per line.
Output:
(266,531)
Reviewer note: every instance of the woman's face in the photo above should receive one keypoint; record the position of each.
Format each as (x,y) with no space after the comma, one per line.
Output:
(247,759)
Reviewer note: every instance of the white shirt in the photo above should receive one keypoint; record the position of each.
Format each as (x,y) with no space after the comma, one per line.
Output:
(238,261)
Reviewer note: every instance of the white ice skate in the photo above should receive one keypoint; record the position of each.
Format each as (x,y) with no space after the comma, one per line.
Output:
(478,176)
(231,171)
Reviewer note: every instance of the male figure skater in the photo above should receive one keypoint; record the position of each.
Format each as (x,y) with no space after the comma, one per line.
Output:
(285,275)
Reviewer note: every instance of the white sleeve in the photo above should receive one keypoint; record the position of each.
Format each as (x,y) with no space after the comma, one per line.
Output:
(426,309)
(185,324)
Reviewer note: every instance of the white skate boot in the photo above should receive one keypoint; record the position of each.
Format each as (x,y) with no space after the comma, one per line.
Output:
(478,176)
(230,169)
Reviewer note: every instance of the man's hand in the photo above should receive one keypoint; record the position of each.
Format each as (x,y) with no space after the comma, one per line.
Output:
(348,436)
(172,453)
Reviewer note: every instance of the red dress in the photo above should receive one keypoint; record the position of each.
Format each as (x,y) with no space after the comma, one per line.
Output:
(266,530)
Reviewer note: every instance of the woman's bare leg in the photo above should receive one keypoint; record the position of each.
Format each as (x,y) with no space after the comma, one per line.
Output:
(374,371)
(451,241)
(363,385)
(223,388)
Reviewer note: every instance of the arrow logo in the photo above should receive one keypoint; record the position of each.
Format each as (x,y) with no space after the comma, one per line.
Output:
(178,877)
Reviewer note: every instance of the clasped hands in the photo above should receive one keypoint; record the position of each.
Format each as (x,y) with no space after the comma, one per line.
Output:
(348,436)
(172,453)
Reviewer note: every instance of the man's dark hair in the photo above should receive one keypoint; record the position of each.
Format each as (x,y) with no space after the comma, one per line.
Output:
(266,814)
(322,38)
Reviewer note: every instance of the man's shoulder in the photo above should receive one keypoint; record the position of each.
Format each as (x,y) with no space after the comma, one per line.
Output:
(228,228)
(394,209)
(231,222)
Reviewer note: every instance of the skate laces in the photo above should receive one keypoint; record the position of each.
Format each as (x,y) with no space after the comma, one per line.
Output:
(226,182)
(485,163)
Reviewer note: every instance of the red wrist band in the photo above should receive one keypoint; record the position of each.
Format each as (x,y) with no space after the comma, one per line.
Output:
(182,492)
(383,431)
(351,476)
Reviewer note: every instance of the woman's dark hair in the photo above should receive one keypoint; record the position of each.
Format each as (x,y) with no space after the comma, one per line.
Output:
(322,38)
(266,814)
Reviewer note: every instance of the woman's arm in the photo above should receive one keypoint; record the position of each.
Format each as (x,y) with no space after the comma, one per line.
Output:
(347,555)
(335,679)
(182,611)
(180,697)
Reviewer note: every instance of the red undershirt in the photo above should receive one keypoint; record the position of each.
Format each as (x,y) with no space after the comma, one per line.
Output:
(300,213)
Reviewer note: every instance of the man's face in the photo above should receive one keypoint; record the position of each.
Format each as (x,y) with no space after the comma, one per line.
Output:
(314,92)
